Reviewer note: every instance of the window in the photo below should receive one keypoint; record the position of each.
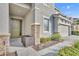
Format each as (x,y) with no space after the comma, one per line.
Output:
(65,21)
(46,24)
(68,22)
(62,20)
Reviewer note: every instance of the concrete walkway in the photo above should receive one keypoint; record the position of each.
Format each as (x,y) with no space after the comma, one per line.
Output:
(16,42)
(23,51)
(53,50)
(49,51)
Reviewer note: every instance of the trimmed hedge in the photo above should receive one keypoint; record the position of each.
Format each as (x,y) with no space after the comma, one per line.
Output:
(76,45)
(56,36)
(44,40)
(75,32)
(69,51)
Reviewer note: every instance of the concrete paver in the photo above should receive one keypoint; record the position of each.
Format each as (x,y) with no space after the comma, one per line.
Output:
(53,50)
(49,51)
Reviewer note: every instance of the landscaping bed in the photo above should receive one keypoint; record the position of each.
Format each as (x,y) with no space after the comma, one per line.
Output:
(70,51)
(48,41)
(48,44)
(11,53)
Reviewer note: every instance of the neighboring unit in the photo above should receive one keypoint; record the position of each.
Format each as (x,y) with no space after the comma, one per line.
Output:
(51,20)
(75,24)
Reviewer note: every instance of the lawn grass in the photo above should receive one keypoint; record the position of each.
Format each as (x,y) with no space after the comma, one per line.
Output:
(70,51)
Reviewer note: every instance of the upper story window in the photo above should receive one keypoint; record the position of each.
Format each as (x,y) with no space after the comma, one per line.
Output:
(46,24)
(65,21)
(62,20)
(68,22)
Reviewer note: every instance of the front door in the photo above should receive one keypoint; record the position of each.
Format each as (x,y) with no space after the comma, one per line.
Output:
(15,28)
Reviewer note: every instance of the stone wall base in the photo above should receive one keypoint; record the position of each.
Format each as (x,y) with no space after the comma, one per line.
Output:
(35,28)
(4,43)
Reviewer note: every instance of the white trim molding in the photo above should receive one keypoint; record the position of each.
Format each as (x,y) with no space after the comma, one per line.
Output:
(17,17)
(35,24)
(22,5)
(4,34)
(43,25)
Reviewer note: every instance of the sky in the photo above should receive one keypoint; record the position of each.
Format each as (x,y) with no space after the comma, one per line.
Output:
(68,9)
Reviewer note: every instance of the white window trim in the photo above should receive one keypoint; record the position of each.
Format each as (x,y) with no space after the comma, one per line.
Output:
(45,4)
(43,25)
(37,8)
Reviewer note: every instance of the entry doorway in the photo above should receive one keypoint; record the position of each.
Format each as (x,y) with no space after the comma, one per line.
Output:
(15,28)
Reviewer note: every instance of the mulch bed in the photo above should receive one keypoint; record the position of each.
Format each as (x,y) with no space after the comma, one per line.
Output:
(45,45)
(11,53)
(3,53)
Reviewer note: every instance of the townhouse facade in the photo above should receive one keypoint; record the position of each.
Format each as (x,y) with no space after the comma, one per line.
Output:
(75,24)
(37,20)
(64,25)
(51,20)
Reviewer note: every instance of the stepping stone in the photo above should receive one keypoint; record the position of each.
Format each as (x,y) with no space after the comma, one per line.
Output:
(11,53)
(22,51)
(27,52)
(2,53)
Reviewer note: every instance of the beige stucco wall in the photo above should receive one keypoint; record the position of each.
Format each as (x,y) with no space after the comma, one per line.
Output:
(4,18)
(42,10)
(26,25)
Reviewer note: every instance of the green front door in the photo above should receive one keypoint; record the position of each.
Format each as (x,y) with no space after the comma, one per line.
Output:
(15,28)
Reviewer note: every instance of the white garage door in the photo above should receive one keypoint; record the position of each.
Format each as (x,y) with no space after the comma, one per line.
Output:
(63,30)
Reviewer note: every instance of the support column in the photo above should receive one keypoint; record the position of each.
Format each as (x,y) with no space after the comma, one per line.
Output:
(35,28)
(4,24)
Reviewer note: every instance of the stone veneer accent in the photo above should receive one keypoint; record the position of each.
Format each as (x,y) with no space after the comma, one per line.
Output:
(35,28)
(2,47)
(5,37)
(4,43)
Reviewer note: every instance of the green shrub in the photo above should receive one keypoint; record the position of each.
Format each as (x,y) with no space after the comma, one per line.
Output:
(44,40)
(76,44)
(75,32)
(56,36)
(61,52)
(69,51)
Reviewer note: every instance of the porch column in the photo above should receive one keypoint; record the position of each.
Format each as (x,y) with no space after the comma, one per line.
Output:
(4,23)
(35,28)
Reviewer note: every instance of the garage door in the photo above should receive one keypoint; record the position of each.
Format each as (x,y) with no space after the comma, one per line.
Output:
(63,30)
